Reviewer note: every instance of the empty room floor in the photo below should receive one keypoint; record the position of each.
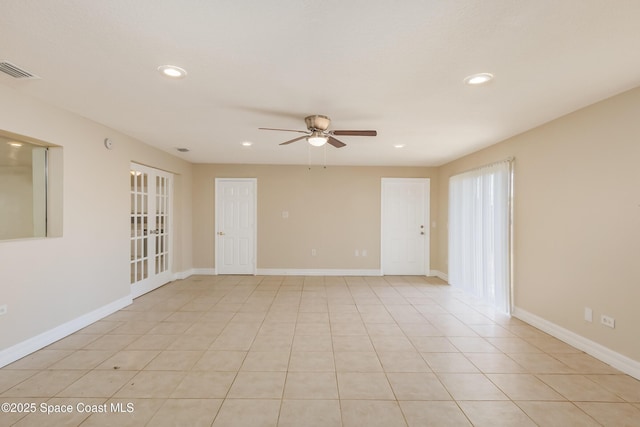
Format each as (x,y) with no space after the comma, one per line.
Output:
(313,351)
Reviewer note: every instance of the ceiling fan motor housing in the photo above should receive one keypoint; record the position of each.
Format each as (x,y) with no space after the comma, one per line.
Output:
(317,122)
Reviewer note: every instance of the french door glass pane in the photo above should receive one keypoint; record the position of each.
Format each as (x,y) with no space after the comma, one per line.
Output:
(139,223)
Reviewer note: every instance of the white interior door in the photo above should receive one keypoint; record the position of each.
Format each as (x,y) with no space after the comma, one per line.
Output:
(405,226)
(151,208)
(236,225)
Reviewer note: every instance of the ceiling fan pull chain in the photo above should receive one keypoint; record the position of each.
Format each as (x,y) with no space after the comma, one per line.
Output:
(309,156)
(325,156)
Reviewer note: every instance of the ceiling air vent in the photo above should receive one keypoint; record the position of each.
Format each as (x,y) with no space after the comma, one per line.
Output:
(15,71)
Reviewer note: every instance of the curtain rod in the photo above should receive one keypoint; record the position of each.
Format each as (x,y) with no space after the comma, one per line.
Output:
(509,159)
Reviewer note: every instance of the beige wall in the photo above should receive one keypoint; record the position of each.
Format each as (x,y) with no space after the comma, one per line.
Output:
(334,210)
(48,282)
(576,219)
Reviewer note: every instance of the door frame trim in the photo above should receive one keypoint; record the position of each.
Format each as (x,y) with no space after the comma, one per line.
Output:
(218,255)
(427,218)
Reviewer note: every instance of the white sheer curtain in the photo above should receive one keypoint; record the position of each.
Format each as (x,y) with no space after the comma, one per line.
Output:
(479,233)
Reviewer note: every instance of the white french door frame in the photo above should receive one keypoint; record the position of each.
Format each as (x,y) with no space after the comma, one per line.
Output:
(218,214)
(152,248)
(426,221)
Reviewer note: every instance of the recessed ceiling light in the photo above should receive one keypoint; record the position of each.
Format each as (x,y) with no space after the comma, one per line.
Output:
(172,71)
(478,79)
(399,146)
(15,144)
(247,144)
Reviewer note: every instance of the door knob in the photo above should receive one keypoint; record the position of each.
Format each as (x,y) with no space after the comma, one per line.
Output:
(220,233)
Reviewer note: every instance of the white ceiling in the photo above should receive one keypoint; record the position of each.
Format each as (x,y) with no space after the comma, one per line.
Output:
(397,67)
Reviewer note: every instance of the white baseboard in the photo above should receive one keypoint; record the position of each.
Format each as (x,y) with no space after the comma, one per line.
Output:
(201,272)
(181,275)
(440,275)
(619,361)
(315,272)
(18,351)
(299,272)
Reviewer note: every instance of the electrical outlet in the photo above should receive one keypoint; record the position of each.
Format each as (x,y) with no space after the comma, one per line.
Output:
(314,252)
(357,253)
(608,321)
(3,309)
(364,252)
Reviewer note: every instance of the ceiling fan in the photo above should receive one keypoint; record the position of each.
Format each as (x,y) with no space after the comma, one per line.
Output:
(318,135)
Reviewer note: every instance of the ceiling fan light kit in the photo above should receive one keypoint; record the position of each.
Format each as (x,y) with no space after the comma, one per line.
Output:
(317,139)
(318,135)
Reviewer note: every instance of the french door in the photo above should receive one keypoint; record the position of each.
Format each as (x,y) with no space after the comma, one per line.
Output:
(151,239)
(236,225)
(405,226)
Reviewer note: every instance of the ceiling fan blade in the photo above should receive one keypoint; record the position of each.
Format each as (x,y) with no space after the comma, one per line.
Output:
(355,132)
(293,140)
(285,130)
(335,142)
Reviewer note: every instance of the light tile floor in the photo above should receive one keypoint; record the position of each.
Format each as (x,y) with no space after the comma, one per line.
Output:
(314,351)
